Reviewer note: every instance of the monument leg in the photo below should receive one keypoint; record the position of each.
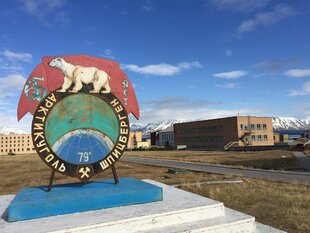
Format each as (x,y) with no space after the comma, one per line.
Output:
(50,184)
(114,174)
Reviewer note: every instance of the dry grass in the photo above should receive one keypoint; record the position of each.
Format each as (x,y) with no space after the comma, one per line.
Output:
(282,205)
(29,170)
(277,160)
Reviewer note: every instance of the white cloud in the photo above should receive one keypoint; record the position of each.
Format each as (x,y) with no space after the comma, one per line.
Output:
(275,65)
(239,5)
(162,69)
(40,6)
(189,65)
(281,12)
(227,85)
(228,53)
(231,75)
(189,109)
(304,91)
(88,42)
(47,11)
(9,119)
(10,83)
(297,73)
(16,56)
(108,53)
(148,7)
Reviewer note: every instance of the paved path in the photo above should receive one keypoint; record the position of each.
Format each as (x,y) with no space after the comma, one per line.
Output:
(296,177)
(303,159)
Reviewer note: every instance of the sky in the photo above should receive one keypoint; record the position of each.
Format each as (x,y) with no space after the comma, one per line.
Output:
(186,59)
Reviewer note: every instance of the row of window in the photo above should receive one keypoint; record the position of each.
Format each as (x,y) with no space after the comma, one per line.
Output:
(14,137)
(253,126)
(202,139)
(166,137)
(257,138)
(18,141)
(202,129)
(14,145)
(16,150)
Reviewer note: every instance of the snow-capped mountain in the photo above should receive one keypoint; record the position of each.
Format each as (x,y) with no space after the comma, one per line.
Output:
(289,123)
(279,123)
(154,126)
(8,130)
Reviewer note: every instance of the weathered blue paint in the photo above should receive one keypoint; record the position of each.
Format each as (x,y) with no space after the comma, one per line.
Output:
(81,111)
(31,203)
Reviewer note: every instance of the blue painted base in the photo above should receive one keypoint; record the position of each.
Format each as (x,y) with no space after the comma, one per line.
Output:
(35,202)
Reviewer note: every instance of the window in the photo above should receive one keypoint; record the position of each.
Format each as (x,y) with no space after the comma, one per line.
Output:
(265,138)
(252,126)
(264,127)
(258,126)
(241,126)
(28,149)
(252,137)
(259,137)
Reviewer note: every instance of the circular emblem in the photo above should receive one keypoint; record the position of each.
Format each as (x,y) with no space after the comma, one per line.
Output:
(80,134)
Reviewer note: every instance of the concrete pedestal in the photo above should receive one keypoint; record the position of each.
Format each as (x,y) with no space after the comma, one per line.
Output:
(180,211)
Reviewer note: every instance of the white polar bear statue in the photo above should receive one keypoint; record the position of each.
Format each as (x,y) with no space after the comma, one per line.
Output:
(79,74)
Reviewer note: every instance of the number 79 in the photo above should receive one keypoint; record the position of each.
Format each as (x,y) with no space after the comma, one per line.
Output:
(84,156)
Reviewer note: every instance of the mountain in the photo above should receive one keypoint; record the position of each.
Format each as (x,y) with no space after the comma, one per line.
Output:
(8,130)
(279,123)
(154,126)
(289,123)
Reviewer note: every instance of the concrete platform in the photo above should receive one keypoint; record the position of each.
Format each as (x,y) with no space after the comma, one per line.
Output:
(180,211)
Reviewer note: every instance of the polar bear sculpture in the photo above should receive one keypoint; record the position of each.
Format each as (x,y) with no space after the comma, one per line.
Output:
(79,74)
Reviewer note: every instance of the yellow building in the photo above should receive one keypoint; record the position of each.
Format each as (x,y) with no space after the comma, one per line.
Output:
(16,144)
(236,131)
(134,139)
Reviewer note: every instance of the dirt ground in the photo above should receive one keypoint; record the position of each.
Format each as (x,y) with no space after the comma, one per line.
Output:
(282,205)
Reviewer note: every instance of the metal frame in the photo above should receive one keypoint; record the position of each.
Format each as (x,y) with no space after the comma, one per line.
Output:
(50,184)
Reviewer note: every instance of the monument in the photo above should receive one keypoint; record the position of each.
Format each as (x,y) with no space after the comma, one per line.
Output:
(80,128)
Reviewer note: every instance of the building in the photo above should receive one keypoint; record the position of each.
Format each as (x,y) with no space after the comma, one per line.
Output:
(144,144)
(166,137)
(134,139)
(154,138)
(230,131)
(276,137)
(16,144)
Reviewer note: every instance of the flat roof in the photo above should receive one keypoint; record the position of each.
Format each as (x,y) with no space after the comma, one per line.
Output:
(220,119)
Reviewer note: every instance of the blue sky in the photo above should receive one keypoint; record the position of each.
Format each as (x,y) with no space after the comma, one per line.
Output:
(186,59)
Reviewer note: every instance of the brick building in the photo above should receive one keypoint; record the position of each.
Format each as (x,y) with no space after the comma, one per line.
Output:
(16,144)
(218,133)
